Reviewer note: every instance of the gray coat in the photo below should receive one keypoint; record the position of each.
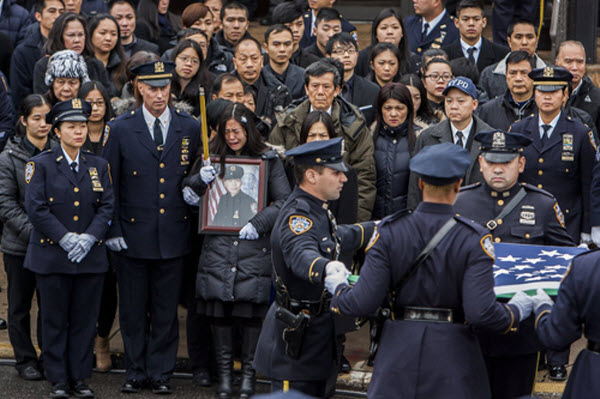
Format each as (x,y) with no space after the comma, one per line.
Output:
(442,133)
(17,228)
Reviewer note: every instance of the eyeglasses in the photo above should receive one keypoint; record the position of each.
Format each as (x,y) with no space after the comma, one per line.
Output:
(194,61)
(340,51)
(437,76)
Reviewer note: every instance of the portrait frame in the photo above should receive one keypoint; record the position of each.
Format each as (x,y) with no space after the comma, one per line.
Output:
(214,215)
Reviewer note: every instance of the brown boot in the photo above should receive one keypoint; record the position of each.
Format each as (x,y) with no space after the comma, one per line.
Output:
(103,362)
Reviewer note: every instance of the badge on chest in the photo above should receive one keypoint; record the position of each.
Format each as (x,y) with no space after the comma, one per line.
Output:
(96,184)
(527,215)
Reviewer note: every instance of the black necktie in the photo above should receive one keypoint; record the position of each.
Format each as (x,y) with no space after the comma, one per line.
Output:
(459,140)
(424,32)
(158,136)
(471,51)
(74,167)
(545,135)
(333,225)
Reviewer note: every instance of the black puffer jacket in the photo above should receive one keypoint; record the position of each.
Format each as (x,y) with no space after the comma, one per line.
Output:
(234,270)
(391,161)
(17,228)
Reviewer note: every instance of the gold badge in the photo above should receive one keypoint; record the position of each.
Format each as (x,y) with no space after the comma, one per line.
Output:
(548,72)
(185,151)
(96,184)
(76,103)
(159,67)
(236,214)
(29,169)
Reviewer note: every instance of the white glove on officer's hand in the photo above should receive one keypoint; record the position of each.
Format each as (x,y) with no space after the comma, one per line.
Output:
(208,174)
(540,299)
(68,242)
(248,232)
(335,274)
(116,244)
(596,235)
(524,303)
(82,248)
(335,266)
(586,238)
(190,197)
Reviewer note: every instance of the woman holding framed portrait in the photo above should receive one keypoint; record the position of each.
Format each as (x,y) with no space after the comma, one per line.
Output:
(233,283)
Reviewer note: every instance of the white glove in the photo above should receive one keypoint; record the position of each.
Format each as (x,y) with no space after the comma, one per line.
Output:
(248,232)
(332,280)
(208,174)
(524,303)
(68,241)
(540,299)
(586,238)
(116,244)
(335,266)
(82,248)
(596,235)
(190,197)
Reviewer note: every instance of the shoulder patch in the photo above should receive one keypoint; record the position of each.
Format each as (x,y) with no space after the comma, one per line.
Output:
(559,215)
(106,134)
(487,245)
(592,140)
(29,169)
(373,239)
(299,224)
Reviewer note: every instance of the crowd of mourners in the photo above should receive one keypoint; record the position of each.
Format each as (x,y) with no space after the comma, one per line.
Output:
(421,80)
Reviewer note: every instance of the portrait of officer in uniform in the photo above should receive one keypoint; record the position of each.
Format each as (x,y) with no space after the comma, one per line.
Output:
(517,213)
(235,207)
(297,348)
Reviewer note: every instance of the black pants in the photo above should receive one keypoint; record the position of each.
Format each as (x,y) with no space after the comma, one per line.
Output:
(311,388)
(21,287)
(70,309)
(511,377)
(108,305)
(148,298)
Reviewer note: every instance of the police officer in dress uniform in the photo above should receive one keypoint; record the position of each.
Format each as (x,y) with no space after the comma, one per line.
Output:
(236,207)
(297,347)
(150,151)
(70,203)
(431,27)
(576,311)
(517,213)
(562,154)
(437,302)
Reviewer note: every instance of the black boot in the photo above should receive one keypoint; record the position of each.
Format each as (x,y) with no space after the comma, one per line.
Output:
(249,342)
(223,340)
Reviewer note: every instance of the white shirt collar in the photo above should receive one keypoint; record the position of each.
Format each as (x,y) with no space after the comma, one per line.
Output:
(465,132)
(576,89)
(552,123)
(164,118)
(328,111)
(433,23)
(465,46)
(68,158)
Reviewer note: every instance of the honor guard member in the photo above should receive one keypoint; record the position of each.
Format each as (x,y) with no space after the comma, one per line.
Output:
(576,311)
(517,213)
(437,266)
(561,156)
(235,207)
(431,27)
(149,151)
(70,202)
(297,347)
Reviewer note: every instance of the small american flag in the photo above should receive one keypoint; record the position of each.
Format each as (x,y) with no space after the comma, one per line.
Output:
(521,267)
(217,189)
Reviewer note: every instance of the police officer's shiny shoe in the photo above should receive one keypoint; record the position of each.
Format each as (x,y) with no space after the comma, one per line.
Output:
(557,373)
(345,365)
(30,373)
(161,388)
(82,390)
(3,324)
(202,378)
(60,390)
(132,386)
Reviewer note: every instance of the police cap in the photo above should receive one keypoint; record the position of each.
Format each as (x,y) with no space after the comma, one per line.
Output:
(76,110)
(441,164)
(499,146)
(463,84)
(233,172)
(324,152)
(157,73)
(550,78)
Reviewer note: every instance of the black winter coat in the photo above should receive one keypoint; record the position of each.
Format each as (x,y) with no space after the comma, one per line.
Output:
(22,63)
(391,161)
(234,270)
(500,112)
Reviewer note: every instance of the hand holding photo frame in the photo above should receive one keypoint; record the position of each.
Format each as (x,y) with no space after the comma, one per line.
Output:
(234,197)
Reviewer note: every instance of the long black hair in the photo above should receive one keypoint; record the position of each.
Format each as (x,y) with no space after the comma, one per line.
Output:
(404,51)
(55,36)
(201,78)
(424,112)
(382,48)
(27,105)
(119,73)
(254,146)
(147,11)
(401,93)
(86,88)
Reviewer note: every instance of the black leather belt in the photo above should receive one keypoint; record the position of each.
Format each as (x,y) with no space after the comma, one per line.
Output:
(593,346)
(415,313)
(313,308)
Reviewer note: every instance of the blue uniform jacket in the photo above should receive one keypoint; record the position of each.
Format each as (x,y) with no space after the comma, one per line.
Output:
(563,167)
(302,244)
(457,275)
(150,213)
(308,38)
(58,202)
(443,34)
(576,310)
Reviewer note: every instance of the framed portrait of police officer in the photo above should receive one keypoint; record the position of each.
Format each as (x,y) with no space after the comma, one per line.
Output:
(235,196)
